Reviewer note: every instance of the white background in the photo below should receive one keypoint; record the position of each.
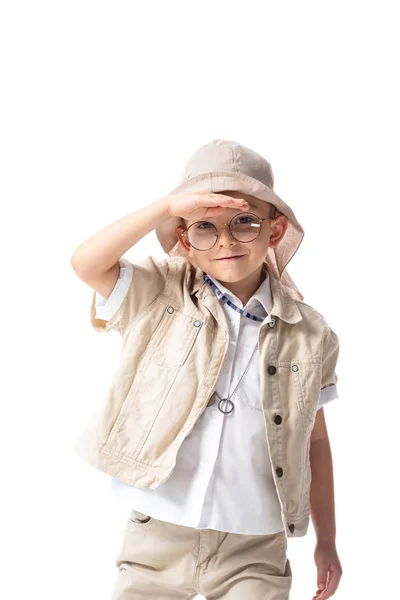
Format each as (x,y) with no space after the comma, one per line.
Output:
(101,105)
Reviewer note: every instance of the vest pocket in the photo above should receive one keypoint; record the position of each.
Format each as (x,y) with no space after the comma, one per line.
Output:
(173,339)
(306,373)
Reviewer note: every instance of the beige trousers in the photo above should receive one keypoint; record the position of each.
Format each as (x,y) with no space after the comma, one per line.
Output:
(164,561)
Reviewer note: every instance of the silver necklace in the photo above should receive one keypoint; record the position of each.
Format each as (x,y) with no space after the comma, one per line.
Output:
(244,313)
(227,400)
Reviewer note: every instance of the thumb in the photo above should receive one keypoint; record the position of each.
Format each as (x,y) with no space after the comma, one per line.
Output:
(321,577)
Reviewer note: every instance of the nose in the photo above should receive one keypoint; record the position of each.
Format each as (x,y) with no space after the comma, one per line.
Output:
(225,237)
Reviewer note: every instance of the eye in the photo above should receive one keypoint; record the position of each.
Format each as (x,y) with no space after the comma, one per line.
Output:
(205,223)
(244,220)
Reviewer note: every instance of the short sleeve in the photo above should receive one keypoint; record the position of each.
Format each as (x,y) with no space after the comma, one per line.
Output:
(327,394)
(330,354)
(107,307)
(138,285)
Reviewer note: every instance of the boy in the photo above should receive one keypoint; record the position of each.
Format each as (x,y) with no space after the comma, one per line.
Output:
(213,423)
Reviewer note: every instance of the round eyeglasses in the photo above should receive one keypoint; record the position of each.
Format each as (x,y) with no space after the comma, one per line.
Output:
(244,228)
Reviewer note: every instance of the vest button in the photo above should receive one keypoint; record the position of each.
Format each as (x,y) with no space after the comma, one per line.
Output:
(197,323)
(279,471)
(291,528)
(271,323)
(170,309)
(271,370)
(278,419)
(295,368)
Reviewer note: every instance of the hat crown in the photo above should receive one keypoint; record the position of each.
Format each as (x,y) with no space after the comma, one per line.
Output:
(228,155)
(224,166)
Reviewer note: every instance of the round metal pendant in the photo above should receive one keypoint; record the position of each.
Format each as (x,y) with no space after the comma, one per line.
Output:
(225,400)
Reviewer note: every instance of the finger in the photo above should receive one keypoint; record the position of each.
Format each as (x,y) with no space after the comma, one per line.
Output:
(222,198)
(239,203)
(331,588)
(322,576)
(224,203)
(214,211)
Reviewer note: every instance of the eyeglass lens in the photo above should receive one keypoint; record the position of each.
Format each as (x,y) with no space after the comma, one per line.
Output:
(202,235)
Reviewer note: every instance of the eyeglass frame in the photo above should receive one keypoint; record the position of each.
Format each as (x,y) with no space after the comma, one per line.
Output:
(229,228)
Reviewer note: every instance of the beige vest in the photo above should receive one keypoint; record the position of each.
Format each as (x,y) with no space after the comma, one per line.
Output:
(174,341)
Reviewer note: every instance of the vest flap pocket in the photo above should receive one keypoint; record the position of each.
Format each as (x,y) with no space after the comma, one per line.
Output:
(173,339)
(307,374)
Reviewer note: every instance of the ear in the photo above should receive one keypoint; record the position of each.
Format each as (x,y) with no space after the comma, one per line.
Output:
(180,234)
(279,227)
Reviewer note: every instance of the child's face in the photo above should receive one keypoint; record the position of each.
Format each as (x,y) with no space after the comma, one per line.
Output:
(254,253)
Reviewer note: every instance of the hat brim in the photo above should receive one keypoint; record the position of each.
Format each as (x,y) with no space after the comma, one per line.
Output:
(220,181)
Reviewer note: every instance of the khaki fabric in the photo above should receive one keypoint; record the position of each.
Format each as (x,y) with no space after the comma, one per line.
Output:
(175,337)
(224,166)
(160,560)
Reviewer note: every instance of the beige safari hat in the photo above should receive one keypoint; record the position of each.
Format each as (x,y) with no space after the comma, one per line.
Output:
(222,166)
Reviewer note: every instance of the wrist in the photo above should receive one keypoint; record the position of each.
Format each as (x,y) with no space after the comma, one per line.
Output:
(164,204)
(326,541)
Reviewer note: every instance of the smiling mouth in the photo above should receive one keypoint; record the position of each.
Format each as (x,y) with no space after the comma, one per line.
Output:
(232,257)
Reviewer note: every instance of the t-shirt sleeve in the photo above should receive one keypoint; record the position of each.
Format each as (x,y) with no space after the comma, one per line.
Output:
(137,286)
(330,354)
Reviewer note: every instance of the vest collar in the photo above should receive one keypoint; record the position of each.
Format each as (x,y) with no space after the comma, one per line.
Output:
(283,305)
